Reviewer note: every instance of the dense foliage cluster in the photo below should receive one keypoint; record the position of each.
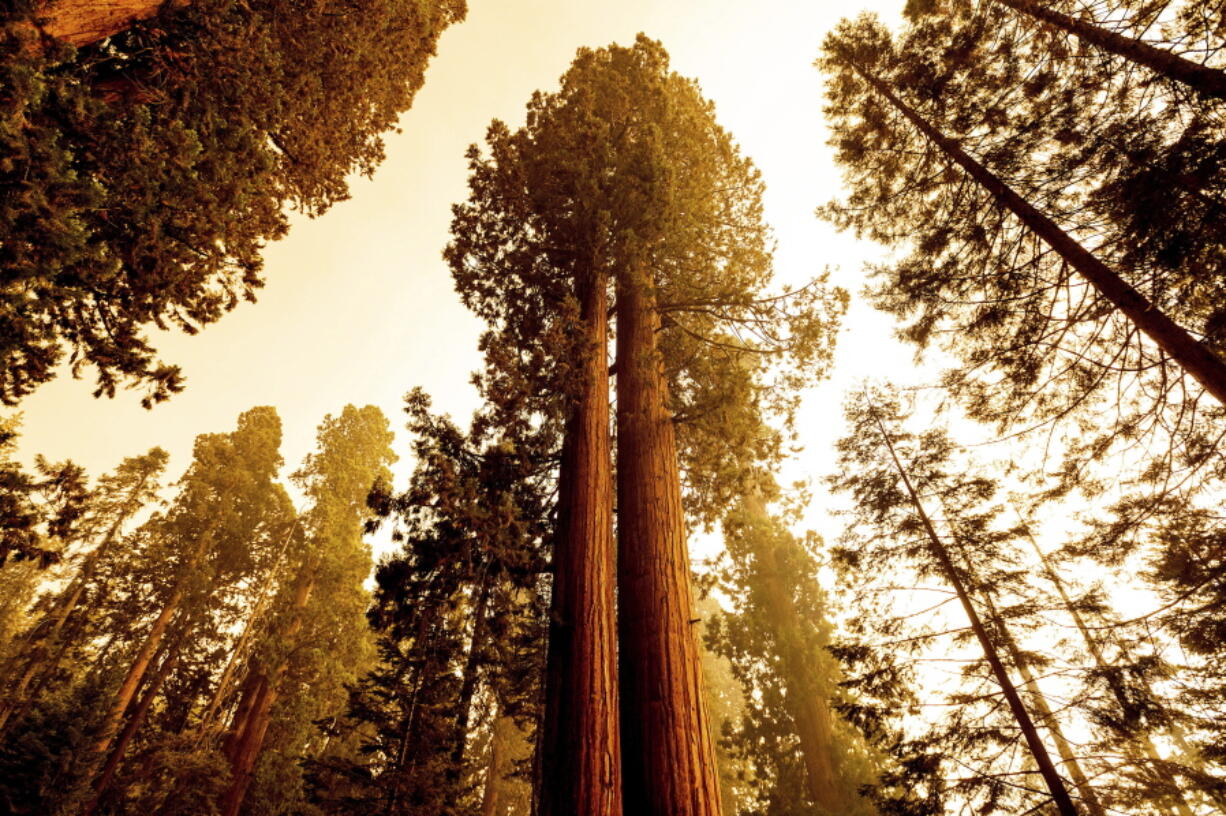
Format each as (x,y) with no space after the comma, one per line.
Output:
(143,174)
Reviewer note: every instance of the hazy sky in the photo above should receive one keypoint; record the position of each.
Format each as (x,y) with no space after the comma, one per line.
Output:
(359,306)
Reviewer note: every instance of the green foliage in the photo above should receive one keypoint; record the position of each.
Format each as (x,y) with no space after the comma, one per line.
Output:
(38,512)
(145,173)
(1126,166)
(456,616)
(777,636)
(624,168)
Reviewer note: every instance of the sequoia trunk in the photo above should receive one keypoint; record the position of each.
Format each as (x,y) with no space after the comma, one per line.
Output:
(135,721)
(261,691)
(668,757)
(82,22)
(136,673)
(580,749)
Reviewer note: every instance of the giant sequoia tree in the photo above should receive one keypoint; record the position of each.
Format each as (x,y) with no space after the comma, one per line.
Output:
(144,175)
(316,619)
(777,634)
(622,182)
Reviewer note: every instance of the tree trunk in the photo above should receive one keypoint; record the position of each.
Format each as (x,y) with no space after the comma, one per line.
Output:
(1088,795)
(1138,747)
(1208,81)
(239,653)
(668,757)
(468,686)
(580,747)
(504,794)
(1191,355)
(1047,769)
(136,672)
(135,721)
(83,22)
(243,749)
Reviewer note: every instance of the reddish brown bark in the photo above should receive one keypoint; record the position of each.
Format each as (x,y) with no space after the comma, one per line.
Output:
(246,749)
(1038,751)
(260,693)
(580,749)
(1208,81)
(135,721)
(136,672)
(668,757)
(82,22)
(1188,353)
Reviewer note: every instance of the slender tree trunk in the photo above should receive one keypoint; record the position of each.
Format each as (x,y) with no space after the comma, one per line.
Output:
(135,721)
(580,746)
(668,757)
(83,22)
(136,672)
(1067,758)
(1191,355)
(1047,769)
(1139,747)
(1208,81)
(468,686)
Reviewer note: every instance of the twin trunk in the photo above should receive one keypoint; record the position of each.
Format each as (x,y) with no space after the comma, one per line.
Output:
(243,745)
(668,757)
(666,762)
(580,762)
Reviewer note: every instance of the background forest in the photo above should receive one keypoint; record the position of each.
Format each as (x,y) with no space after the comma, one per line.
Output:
(703,504)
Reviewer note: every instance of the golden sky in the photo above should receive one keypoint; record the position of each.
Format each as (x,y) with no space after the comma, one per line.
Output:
(359,306)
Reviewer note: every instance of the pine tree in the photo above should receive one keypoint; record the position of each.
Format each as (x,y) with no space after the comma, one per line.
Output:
(885,468)
(115,499)
(872,75)
(38,511)
(217,531)
(455,618)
